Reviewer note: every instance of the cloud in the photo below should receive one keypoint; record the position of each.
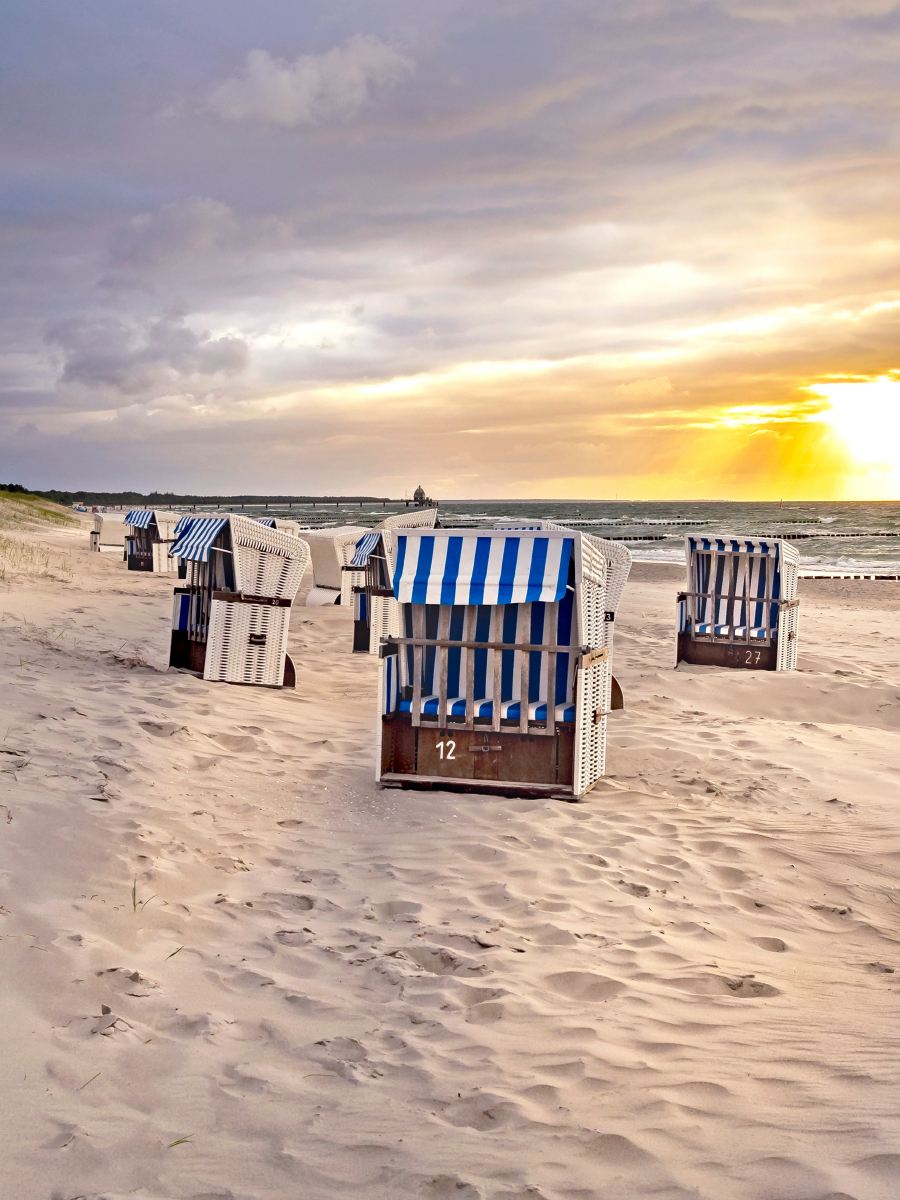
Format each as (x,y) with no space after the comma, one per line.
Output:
(314,88)
(108,354)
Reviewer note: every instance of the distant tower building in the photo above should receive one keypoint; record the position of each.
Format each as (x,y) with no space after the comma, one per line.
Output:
(419,496)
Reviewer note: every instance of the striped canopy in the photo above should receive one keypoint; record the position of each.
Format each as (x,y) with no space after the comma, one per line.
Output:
(364,548)
(139,518)
(184,523)
(729,545)
(195,541)
(481,566)
(270,521)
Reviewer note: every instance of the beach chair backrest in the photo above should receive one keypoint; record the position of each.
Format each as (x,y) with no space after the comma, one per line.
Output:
(618,558)
(736,584)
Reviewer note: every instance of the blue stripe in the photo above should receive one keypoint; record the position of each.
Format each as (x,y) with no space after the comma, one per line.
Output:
(423,571)
(538,566)
(479,571)
(565,561)
(401,559)
(451,570)
(508,571)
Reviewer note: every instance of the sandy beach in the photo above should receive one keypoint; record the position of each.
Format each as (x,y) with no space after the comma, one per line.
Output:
(233,968)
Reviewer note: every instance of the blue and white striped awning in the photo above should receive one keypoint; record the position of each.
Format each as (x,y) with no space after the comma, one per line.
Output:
(139,518)
(729,545)
(269,521)
(481,567)
(364,548)
(196,539)
(184,523)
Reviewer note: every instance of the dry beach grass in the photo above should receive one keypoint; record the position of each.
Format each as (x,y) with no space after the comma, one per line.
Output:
(233,968)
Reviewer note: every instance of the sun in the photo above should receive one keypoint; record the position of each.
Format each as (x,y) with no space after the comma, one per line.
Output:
(866,415)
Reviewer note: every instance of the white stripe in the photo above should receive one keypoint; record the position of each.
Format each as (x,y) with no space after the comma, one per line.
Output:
(436,575)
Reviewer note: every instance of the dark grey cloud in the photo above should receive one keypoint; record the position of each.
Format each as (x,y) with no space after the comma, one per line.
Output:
(221,219)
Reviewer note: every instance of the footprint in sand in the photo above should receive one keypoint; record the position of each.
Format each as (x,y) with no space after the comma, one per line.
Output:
(484,1112)
(440,961)
(742,987)
(775,945)
(446,1187)
(584,985)
(162,729)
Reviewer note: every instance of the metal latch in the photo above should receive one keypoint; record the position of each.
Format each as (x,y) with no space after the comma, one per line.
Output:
(485,749)
(600,713)
(257,639)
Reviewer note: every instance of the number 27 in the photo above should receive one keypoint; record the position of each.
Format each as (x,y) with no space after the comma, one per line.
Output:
(450,747)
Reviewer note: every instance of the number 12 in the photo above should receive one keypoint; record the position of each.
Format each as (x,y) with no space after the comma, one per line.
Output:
(451,747)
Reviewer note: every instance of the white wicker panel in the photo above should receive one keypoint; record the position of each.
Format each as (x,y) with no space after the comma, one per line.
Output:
(230,656)
(420,518)
(350,580)
(618,567)
(161,560)
(788,619)
(384,621)
(593,627)
(592,692)
(268,573)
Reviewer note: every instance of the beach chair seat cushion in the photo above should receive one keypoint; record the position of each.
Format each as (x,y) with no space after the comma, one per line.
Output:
(509,709)
(740,631)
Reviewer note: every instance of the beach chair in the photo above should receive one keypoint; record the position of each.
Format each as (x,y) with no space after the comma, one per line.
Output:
(108,534)
(618,567)
(291,527)
(376,614)
(330,551)
(500,680)
(740,608)
(149,537)
(230,622)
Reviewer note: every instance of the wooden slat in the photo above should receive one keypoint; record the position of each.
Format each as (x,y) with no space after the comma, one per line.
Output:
(469,631)
(523,631)
(442,654)
(496,634)
(551,617)
(419,630)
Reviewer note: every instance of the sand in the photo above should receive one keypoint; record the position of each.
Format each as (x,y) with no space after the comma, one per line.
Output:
(232,967)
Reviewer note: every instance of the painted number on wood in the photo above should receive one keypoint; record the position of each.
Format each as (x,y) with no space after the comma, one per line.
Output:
(749,660)
(449,746)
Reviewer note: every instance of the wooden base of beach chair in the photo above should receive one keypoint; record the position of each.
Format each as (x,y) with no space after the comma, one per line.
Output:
(478,759)
(186,654)
(289,679)
(361,635)
(139,562)
(726,654)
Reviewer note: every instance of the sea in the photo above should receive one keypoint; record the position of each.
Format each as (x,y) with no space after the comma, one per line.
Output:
(830,536)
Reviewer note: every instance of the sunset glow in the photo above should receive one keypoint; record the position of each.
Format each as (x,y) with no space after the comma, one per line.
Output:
(585,251)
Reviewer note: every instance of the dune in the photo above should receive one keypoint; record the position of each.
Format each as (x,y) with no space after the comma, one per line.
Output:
(234,969)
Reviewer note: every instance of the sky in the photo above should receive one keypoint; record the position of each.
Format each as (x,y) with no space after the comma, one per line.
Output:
(570,248)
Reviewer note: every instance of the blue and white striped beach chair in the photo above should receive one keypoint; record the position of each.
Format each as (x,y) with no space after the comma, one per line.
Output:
(501,677)
(230,622)
(376,613)
(740,608)
(148,539)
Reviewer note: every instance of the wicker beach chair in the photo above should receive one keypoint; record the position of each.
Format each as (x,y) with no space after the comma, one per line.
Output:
(149,538)
(501,679)
(108,534)
(291,527)
(330,551)
(618,567)
(230,622)
(740,608)
(375,611)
